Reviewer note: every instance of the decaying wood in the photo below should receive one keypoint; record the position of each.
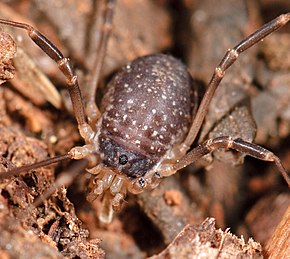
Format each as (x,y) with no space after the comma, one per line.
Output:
(279,244)
(205,241)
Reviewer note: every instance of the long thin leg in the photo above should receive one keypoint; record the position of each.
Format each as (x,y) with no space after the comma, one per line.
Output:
(227,143)
(92,110)
(84,152)
(66,68)
(229,58)
(18,170)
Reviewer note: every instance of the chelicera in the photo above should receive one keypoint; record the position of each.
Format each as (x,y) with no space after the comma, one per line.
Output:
(150,118)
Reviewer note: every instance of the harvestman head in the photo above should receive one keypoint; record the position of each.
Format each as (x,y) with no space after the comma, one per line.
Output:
(154,145)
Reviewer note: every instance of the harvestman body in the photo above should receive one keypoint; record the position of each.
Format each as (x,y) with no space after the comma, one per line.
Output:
(149,120)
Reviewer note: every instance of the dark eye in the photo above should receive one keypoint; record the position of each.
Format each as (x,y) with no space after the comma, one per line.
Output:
(141,182)
(123,159)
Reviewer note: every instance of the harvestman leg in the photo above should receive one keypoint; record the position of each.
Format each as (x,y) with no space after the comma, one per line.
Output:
(229,58)
(227,142)
(92,111)
(66,68)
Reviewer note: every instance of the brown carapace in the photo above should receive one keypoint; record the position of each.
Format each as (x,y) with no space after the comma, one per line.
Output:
(149,121)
